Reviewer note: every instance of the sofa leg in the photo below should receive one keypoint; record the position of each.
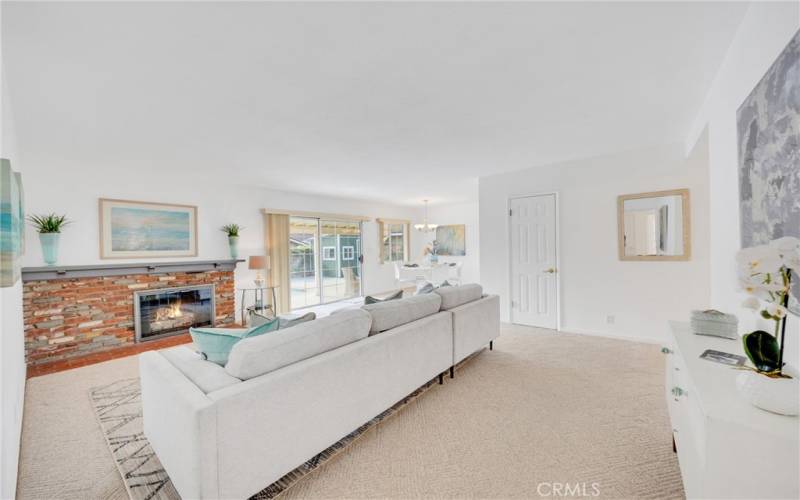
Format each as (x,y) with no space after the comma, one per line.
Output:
(441,379)
(490,345)
(452,372)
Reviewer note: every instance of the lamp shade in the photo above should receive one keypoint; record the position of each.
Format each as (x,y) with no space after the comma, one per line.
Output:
(257,262)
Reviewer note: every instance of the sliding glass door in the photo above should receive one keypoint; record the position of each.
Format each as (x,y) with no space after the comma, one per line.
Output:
(325,260)
(303,258)
(341,260)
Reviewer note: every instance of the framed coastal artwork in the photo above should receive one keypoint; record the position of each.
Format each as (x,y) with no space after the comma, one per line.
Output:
(451,240)
(138,229)
(12,224)
(768,123)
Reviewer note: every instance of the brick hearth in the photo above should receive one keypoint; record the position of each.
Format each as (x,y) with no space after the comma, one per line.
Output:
(70,318)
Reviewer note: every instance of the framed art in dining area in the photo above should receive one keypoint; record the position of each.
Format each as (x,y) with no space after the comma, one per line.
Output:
(451,240)
(138,229)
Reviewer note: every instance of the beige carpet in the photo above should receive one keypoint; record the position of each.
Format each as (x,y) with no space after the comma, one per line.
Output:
(541,408)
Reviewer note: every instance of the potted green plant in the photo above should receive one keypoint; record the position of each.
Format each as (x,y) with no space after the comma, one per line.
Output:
(49,228)
(232,230)
(766,273)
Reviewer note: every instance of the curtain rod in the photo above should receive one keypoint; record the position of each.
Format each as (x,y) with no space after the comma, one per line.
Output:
(315,215)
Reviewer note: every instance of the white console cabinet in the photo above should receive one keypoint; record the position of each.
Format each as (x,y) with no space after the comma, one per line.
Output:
(726,447)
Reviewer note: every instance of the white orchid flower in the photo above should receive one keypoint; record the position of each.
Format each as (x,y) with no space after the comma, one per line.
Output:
(765,291)
(760,259)
(786,244)
(776,310)
(751,303)
(789,249)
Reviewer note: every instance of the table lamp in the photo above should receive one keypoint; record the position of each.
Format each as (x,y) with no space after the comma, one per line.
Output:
(259,263)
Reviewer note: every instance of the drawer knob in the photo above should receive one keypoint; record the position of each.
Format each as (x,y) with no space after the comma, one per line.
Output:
(677,391)
(666,350)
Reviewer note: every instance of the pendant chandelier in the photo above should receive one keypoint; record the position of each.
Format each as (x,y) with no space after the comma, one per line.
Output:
(425,227)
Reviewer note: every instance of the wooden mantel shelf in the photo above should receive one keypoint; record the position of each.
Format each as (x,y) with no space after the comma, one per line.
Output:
(188,266)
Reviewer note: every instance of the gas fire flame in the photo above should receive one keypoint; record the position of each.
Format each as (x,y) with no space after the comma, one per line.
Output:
(169,312)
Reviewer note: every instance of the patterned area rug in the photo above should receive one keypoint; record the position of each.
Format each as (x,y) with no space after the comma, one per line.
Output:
(118,407)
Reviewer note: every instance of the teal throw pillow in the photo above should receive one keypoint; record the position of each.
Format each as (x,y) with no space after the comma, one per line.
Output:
(215,344)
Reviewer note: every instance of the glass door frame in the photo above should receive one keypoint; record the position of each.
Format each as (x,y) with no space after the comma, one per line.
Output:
(359,257)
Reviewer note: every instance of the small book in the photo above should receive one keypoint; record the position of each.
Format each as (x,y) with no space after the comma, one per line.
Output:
(723,357)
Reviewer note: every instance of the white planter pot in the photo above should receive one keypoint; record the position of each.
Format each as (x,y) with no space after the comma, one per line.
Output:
(776,395)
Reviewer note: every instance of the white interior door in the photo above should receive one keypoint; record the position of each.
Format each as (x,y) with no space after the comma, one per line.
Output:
(534,284)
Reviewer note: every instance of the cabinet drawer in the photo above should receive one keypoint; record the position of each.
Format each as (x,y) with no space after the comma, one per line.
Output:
(688,422)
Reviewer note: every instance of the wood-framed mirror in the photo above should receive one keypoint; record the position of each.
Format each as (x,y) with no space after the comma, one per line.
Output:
(654,226)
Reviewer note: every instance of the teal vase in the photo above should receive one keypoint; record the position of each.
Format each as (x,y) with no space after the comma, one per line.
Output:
(49,243)
(233,243)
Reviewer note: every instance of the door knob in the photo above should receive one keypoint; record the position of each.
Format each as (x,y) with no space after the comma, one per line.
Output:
(552,270)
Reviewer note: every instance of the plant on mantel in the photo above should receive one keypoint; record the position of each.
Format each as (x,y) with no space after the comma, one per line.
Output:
(50,223)
(766,273)
(49,228)
(232,230)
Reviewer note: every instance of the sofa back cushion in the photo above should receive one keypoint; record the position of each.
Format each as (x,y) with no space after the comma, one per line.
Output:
(392,313)
(259,355)
(454,296)
(209,377)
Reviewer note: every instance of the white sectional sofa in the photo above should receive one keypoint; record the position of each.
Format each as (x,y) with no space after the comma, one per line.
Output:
(285,396)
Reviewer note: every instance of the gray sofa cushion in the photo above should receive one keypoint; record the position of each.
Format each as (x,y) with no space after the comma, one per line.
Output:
(387,315)
(257,356)
(206,375)
(454,296)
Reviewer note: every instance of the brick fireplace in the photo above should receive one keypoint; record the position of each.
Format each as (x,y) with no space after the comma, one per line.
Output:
(71,312)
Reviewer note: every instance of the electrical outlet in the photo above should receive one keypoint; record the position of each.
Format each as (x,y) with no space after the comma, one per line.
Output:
(610,319)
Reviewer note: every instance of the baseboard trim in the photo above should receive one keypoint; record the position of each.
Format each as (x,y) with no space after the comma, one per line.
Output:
(630,338)
(595,333)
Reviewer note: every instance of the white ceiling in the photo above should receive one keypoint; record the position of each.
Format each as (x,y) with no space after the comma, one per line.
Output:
(387,101)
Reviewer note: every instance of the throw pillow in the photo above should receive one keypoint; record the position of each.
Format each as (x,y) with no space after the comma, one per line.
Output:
(369,299)
(215,344)
(290,321)
(429,287)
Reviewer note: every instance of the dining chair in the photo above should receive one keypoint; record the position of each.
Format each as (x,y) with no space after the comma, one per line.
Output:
(454,273)
(398,277)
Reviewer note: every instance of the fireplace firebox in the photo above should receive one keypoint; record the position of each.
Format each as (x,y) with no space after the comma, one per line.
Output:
(171,311)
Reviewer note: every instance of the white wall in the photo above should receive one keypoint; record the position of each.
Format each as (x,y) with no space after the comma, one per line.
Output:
(75,192)
(462,213)
(12,351)
(763,34)
(642,296)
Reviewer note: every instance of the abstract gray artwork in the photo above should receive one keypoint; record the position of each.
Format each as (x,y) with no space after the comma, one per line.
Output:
(768,123)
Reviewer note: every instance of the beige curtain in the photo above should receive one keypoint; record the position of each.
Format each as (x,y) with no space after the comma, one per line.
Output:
(276,231)
(383,226)
(381,251)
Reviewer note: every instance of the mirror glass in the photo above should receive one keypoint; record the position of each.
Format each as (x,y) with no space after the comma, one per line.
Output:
(654,226)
